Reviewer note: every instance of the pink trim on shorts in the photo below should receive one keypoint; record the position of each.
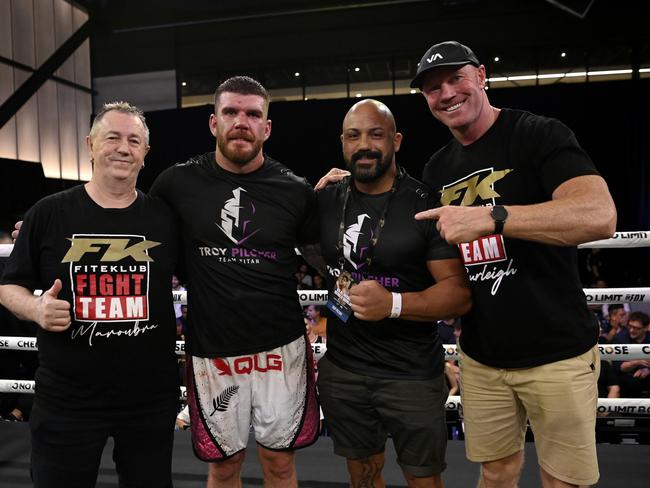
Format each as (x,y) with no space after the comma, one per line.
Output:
(205,446)
(310,426)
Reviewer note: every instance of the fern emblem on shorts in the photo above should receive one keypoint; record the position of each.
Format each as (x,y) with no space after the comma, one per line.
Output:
(221,403)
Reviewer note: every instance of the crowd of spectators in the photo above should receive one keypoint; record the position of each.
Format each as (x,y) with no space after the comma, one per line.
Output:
(626,379)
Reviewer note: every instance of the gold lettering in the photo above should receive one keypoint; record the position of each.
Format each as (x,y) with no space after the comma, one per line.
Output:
(117,249)
(473,189)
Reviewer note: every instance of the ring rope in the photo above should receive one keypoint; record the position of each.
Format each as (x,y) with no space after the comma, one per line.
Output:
(611,405)
(593,295)
(639,238)
(620,240)
(615,352)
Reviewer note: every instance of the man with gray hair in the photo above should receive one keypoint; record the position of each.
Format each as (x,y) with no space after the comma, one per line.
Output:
(104,253)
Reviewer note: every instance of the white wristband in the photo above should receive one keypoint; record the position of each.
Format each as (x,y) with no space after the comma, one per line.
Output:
(397,305)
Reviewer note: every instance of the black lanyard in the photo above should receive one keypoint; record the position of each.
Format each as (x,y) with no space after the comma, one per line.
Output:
(347,189)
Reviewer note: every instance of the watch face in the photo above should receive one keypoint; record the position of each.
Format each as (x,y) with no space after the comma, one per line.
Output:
(499,213)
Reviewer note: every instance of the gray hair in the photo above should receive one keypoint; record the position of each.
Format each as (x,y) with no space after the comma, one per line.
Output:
(122,107)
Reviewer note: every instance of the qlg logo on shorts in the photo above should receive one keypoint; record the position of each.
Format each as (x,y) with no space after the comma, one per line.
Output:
(248,364)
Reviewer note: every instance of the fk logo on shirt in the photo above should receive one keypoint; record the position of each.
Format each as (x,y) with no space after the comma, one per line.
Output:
(110,277)
(474,189)
(237,216)
(477,189)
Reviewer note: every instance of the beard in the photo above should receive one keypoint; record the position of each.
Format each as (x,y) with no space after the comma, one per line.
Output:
(373,173)
(239,155)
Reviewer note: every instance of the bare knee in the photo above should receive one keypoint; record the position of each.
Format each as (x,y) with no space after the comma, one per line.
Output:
(503,472)
(278,465)
(227,470)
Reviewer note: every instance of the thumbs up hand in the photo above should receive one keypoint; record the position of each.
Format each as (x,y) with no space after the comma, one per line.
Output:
(53,314)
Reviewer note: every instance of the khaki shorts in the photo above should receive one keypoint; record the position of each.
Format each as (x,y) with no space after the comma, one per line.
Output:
(560,401)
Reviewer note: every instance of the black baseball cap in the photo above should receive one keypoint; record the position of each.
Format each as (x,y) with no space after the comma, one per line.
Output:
(448,53)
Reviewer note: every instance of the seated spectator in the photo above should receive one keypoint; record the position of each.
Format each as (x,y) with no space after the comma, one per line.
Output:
(626,309)
(313,337)
(614,324)
(636,331)
(316,321)
(319,282)
(634,375)
(306,278)
(176,286)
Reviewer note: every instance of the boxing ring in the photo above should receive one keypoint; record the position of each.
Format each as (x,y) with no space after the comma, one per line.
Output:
(621,465)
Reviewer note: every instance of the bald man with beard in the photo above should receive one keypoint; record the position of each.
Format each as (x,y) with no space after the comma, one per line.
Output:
(383,371)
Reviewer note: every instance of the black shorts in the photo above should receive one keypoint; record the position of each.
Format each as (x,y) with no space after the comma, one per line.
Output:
(361,411)
(66,452)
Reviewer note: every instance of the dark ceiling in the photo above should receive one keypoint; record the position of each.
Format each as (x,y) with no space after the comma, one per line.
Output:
(205,41)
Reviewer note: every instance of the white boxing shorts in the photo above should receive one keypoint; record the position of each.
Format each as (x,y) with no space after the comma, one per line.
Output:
(274,391)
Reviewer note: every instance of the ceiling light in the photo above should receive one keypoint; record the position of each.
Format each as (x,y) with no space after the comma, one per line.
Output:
(184,83)
(573,74)
(496,59)
(297,73)
(522,77)
(610,72)
(563,55)
(358,95)
(413,91)
(357,69)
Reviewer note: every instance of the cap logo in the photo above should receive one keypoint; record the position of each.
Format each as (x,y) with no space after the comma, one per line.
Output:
(434,57)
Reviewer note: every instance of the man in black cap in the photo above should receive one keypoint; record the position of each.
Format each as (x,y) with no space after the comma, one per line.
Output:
(518,195)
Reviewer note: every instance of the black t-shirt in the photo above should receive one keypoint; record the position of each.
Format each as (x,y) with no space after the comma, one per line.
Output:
(389,348)
(529,308)
(116,267)
(239,233)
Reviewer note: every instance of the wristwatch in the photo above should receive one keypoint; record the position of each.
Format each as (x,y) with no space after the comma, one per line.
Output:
(499,214)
